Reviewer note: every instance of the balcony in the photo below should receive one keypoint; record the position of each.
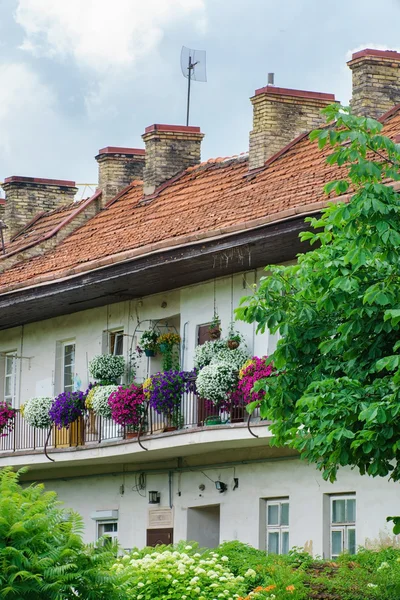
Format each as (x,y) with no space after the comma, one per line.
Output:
(92,432)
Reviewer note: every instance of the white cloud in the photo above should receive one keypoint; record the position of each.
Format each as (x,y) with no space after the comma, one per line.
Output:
(102,34)
(34,135)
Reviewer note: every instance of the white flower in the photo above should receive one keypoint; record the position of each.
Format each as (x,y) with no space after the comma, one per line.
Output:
(107,367)
(140,584)
(224,558)
(215,381)
(100,400)
(36,412)
(383,565)
(188,547)
(372,585)
(250,573)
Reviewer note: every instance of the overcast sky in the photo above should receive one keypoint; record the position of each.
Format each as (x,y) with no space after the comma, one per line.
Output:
(78,75)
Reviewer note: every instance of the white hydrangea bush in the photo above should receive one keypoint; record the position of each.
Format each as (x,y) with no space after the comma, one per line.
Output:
(36,412)
(107,367)
(178,575)
(216,380)
(100,398)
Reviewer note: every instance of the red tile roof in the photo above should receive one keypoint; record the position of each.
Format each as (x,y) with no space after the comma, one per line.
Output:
(216,198)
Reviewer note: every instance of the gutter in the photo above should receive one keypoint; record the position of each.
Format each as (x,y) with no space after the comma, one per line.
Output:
(55,229)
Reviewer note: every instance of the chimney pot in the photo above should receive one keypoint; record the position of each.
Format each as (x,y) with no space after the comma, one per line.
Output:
(170,149)
(371,97)
(279,116)
(118,167)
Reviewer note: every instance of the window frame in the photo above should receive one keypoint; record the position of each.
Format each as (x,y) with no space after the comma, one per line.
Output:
(344,527)
(63,365)
(11,399)
(278,528)
(113,338)
(114,534)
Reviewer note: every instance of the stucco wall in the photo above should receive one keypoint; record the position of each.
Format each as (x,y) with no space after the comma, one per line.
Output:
(185,308)
(241,510)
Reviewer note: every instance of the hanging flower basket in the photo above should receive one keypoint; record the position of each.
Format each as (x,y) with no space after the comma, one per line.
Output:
(6,419)
(149,352)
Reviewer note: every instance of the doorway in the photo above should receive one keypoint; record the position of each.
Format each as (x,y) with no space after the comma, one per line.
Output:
(203,525)
(159,537)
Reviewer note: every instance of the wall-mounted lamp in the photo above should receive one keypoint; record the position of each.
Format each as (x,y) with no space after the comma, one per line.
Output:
(221,486)
(154,497)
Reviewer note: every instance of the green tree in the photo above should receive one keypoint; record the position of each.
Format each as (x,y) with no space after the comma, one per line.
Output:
(41,550)
(335,397)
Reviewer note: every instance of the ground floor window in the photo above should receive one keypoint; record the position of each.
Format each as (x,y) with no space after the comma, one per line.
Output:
(107,529)
(278,526)
(343,525)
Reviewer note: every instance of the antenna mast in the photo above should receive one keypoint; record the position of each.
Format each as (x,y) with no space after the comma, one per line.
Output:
(193,65)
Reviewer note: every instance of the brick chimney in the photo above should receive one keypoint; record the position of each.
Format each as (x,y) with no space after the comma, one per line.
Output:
(279,116)
(28,196)
(170,149)
(118,167)
(376,82)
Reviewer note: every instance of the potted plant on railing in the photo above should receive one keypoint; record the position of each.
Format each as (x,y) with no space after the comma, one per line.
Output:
(164,392)
(215,382)
(35,411)
(6,419)
(215,327)
(168,344)
(127,408)
(106,369)
(99,400)
(148,342)
(67,408)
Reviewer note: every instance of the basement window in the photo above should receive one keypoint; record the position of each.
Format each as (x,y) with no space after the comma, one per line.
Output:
(108,530)
(343,525)
(278,526)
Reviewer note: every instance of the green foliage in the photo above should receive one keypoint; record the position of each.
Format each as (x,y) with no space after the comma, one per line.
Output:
(336,394)
(41,550)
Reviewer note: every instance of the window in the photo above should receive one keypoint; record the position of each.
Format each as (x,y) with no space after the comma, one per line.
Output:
(107,529)
(278,526)
(10,377)
(343,525)
(68,366)
(116,342)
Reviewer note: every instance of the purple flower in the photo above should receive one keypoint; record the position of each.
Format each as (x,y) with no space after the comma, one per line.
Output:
(67,407)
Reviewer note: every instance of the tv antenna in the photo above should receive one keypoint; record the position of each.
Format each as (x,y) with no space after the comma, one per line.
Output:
(193,65)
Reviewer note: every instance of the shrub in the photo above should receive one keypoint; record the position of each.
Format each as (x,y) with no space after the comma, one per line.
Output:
(107,368)
(66,408)
(127,406)
(177,573)
(36,412)
(41,551)
(100,399)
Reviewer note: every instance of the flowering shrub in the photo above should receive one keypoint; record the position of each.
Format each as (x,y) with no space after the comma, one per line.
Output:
(216,381)
(36,412)
(127,406)
(253,370)
(100,398)
(178,574)
(165,390)
(66,408)
(6,419)
(107,367)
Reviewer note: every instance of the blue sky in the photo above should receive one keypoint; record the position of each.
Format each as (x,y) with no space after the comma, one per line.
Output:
(79,75)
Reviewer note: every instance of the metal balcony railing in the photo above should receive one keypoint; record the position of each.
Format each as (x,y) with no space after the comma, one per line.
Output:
(193,412)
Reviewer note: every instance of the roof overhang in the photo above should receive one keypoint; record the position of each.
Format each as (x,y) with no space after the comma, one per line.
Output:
(158,272)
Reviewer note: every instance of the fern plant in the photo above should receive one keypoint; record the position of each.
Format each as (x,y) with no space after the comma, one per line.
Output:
(42,554)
